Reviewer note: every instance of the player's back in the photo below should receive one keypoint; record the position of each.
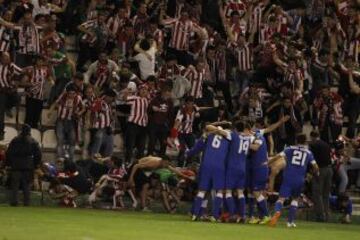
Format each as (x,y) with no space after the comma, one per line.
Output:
(297,161)
(259,158)
(216,151)
(238,151)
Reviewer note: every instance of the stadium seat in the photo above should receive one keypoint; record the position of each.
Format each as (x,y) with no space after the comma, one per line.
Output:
(46,121)
(36,134)
(49,140)
(10,133)
(118,143)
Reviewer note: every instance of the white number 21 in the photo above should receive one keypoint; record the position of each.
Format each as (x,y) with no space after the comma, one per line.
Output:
(298,158)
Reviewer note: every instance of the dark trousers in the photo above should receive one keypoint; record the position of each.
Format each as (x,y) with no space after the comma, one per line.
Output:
(187,141)
(330,132)
(321,187)
(224,87)
(23,179)
(157,132)
(24,60)
(7,101)
(183,57)
(86,53)
(135,137)
(353,114)
(33,111)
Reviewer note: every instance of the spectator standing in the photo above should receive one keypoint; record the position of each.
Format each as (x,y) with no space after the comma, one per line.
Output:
(161,110)
(70,107)
(39,74)
(7,72)
(321,185)
(137,123)
(22,157)
(146,57)
(102,125)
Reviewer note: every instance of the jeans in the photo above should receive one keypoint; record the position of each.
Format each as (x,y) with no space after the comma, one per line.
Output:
(321,187)
(157,132)
(102,142)
(23,179)
(33,111)
(342,172)
(135,136)
(66,135)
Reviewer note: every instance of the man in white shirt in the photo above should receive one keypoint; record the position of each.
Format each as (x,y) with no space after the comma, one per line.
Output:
(146,57)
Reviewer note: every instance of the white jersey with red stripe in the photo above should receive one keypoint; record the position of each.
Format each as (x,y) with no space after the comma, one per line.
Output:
(69,107)
(6,74)
(139,110)
(29,39)
(102,114)
(180,33)
(186,119)
(245,57)
(196,78)
(115,24)
(234,6)
(38,77)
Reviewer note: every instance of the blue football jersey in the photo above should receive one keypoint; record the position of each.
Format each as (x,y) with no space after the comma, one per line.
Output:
(238,151)
(259,158)
(297,160)
(216,150)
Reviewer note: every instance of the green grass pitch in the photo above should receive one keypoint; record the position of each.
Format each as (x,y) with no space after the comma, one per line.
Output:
(76,224)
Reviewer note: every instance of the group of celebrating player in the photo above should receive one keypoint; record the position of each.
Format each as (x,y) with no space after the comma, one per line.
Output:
(236,160)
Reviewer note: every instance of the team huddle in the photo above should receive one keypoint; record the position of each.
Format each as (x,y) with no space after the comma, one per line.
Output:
(236,160)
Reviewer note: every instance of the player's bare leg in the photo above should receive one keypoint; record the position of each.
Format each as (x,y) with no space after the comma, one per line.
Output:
(276,164)
(143,196)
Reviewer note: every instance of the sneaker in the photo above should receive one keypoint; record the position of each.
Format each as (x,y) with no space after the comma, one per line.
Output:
(274,219)
(194,218)
(254,220)
(213,219)
(146,209)
(241,220)
(265,220)
(291,225)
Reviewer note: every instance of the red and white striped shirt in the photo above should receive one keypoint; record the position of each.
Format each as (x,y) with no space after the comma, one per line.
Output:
(266,33)
(29,39)
(139,110)
(181,33)
(69,108)
(245,57)
(354,49)
(102,114)
(6,74)
(5,39)
(256,16)
(186,119)
(196,79)
(89,25)
(140,22)
(234,6)
(115,24)
(38,77)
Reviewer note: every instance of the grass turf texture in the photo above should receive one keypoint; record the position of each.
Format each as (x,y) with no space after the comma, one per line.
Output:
(56,223)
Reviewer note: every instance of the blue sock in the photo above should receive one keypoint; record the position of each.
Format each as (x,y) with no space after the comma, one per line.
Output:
(242,207)
(197,206)
(262,204)
(348,209)
(292,213)
(278,206)
(216,207)
(251,206)
(230,203)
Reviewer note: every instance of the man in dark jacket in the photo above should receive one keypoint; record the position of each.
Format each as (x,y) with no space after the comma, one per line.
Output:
(22,157)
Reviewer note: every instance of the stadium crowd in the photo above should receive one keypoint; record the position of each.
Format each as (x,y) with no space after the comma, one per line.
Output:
(158,72)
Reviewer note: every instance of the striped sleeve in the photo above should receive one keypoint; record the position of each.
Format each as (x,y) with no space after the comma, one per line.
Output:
(17,70)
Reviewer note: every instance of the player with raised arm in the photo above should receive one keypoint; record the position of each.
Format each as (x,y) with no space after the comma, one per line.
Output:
(297,160)
(212,169)
(241,143)
(258,173)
